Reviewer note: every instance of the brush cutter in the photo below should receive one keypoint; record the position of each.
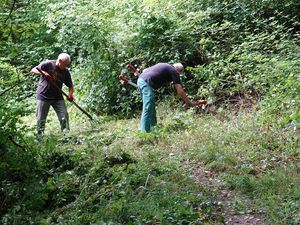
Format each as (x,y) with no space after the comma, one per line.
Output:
(62,92)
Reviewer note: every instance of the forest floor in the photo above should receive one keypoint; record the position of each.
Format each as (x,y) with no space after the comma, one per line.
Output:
(196,168)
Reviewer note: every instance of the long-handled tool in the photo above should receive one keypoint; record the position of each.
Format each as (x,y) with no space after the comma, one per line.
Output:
(126,80)
(62,92)
(132,68)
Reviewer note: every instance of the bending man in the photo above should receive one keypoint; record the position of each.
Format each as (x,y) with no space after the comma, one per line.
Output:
(48,91)
(153,78)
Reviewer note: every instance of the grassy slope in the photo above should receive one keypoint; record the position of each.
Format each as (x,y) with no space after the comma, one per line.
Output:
(197,168)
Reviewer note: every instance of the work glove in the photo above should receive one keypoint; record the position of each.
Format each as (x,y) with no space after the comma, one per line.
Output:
(70,98)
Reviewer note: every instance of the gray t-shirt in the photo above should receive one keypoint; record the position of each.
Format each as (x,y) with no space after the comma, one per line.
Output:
(45,90)
(160,74)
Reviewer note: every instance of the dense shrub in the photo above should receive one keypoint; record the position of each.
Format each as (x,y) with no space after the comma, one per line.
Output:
(228,45)
(17,157)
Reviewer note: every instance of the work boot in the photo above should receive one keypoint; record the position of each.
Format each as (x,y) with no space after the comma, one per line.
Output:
(40,130)
(40,133)
(64,125)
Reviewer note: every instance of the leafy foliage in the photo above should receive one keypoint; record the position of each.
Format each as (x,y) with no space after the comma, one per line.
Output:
(237,54)
(232,39)
(17,156)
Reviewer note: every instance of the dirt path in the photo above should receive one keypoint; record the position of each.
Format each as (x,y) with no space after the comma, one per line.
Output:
(233,215)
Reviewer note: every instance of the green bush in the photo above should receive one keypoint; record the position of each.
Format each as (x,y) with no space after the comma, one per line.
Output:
(18,158)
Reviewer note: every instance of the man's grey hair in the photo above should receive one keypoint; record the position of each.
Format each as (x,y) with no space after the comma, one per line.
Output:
(64,57)
(178,67)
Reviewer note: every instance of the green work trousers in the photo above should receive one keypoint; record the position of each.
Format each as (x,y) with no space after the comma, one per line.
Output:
(148,119)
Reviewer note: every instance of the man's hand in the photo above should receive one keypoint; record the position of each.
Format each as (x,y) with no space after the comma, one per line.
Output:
(198,103)
(195,104)
(47,76)
(38,71)
(70,98)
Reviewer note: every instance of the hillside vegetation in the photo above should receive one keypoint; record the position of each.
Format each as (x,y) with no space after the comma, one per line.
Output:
(195,168)
(234,160)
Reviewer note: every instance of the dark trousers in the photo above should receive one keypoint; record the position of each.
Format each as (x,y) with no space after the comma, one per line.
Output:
(42,112)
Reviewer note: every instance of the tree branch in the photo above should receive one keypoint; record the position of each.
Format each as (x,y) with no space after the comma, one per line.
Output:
(15,143)
(11,10)
(8,89)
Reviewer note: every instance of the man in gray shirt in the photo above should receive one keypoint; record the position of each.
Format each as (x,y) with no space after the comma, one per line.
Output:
(55,74)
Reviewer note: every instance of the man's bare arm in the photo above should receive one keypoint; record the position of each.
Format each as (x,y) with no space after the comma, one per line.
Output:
(183,95)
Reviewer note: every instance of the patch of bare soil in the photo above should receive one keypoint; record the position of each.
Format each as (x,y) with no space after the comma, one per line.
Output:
(232,212)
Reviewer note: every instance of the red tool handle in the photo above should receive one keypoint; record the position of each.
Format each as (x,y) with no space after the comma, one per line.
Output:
(203,102)
(132,68)
(126,81)
(121,77)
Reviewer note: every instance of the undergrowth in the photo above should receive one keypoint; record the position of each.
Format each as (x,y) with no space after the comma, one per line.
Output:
(110,173)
